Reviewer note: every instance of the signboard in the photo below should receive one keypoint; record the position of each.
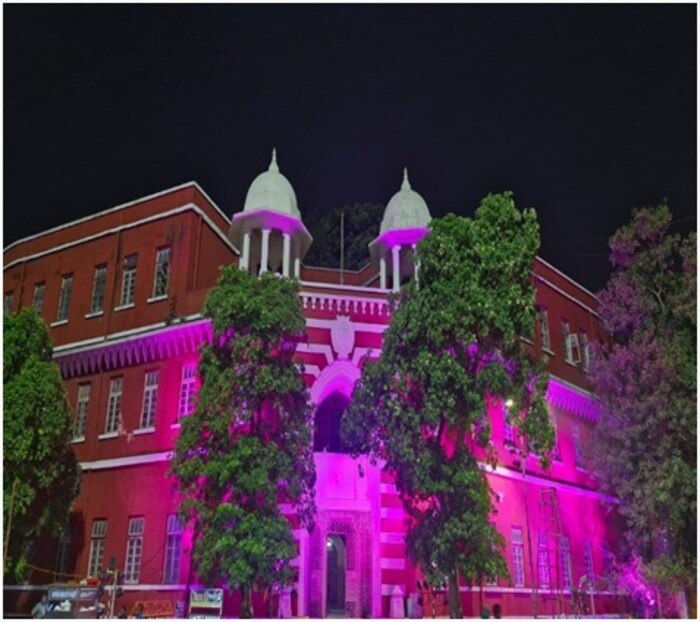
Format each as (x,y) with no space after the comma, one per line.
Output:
(206,603)
(72,593)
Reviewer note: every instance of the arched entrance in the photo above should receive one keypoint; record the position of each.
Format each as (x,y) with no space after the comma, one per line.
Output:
(327,423)
(336,560)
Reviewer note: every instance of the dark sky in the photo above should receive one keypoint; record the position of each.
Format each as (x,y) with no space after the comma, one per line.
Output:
(583,111)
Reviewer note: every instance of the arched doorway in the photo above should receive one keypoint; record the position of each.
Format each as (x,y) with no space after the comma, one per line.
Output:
(327,423)
(336,559)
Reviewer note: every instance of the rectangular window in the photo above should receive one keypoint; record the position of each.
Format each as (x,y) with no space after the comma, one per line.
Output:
(585,352)
(187,390)
(114,405)
(607,560)
(81,411)
(134,550)
(588,560)
(128,281)
(518,557)
(97,547)
(150,398)
(8,303)
(173,548)
(508,432)
(98,289)
(572,351)
(64,297)
(38,299)
(160,282)
(545,342)
(543,560)
(61,567)
(578,454)
(556,453)
(565,563)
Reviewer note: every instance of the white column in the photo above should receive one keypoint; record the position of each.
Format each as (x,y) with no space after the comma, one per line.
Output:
(245,259)
(395,267)
(415,263)
(297,268)
(286,253)
(264,256)
(382,270)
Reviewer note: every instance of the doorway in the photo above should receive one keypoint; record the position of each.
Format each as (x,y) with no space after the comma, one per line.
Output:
(336,558)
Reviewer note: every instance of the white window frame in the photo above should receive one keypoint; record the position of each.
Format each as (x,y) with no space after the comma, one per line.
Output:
(173,550)
(97,546)
(38,297)
(114,405)
(150,399)
(588,561)
(161,274)
(128,292)
(82,406)
(99,285)
(134,549)
(518,556)
(64,298)
(565,563)
(585,352)
(545,339)
(578,450)
(543,561)
(556,448)
(508,430)
(188,390)
(9,302)
(572,350)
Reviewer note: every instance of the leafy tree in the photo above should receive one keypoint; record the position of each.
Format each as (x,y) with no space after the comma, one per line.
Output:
(248,445)
(644,447)
(361,226)
(452,348)
(41,476)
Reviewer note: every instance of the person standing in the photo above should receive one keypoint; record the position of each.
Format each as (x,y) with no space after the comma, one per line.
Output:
(39,610)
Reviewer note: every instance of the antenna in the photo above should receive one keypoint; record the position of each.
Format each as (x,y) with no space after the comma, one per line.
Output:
(342,244)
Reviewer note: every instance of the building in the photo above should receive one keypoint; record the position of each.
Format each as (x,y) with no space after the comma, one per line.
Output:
(122,291)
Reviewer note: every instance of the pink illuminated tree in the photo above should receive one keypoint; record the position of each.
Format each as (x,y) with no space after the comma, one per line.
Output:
(248,445)
(644,447)
(454,346)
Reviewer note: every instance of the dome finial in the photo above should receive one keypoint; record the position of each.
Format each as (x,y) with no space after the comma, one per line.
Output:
(273,162)
(405,185)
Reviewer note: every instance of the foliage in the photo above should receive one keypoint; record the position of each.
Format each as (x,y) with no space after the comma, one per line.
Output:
(644,448)
(361,226)
(248,444)
(452,348)
(39,461)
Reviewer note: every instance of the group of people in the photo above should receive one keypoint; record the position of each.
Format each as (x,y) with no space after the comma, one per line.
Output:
(42,608)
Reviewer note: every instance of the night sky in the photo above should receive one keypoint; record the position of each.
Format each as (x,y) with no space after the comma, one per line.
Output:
(583,111)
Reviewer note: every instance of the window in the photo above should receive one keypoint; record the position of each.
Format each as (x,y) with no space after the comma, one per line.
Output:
(556,453)
(150,398)
(585,351)
(173,548)
(64,298)
(160,282)
(518,557)
(81,411)
(8,302)
(97,547)
(114,405)
(588,560)
(38,300)
(508,432)
(545,342)
(98,289)
(134,550)
(128,281)
(187,390)
(607,560)
(571,347)
(543,560)
(61,567)
(565,563)
(577,446)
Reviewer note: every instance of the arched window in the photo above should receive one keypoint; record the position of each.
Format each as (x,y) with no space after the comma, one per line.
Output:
(327,423)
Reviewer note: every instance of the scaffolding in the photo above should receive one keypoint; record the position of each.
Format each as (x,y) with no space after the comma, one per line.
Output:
(550,527)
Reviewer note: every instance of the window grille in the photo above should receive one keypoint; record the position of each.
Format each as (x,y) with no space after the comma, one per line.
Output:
(8,302)
(187,390)
(173,550)
(98,289)
(64,297)
(565,563)
(543,560)
(508,431)
(128,280)
(81,411)
(160,282)
(518,557)
(150,399)
(97,547)
(38,299)
(134,550)
(585,352)
(578,453)
(545,341)
(588,560)
(114,405)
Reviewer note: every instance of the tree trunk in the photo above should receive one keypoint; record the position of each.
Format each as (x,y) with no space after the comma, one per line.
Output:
(246,605)
(455,599)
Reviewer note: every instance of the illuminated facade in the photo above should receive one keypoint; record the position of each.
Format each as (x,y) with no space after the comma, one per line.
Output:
(122,292)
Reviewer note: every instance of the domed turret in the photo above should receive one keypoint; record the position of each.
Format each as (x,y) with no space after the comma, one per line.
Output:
(405,223)
(269,231)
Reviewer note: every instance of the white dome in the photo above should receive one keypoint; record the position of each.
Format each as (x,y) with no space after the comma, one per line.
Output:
(272,190)
(406,210)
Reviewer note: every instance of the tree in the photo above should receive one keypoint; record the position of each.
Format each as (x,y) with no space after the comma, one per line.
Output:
(248,445)
(644,447)
(452,349)
(41,476)
(361,226)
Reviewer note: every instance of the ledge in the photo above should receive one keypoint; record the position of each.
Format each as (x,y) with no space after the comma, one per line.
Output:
(157,298)
(148,430)
(107,435)
(95,314)
(131,305)
(548,351)
(175,426)
(78,439)
(58,323)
